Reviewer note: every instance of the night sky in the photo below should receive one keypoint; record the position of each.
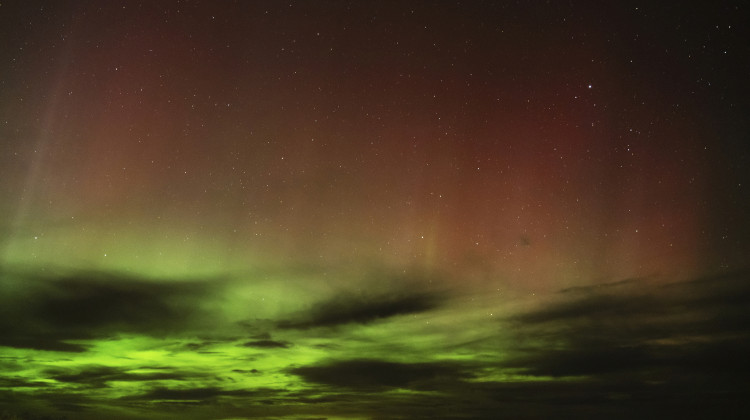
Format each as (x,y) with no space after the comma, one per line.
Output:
(374,210)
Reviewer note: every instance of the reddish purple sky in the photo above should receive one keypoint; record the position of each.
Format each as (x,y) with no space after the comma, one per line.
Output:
(550,145)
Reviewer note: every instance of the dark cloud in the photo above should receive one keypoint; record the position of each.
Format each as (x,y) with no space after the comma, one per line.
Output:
(19,382)
(362,309)
(250,371)
(376,375)
(99,376)
(195,346)
(46,312)
(692,332)
(126,303)
(10,337)
(365,387)
(198,395)
(602,286)
(267,344)
(57,405)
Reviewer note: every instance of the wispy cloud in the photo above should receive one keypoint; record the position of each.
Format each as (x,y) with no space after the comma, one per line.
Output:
(267,344)
(362,309)
(201,394)
(374,375)
(99,376)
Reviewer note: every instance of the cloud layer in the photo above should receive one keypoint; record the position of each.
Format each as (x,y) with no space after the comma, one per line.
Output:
(636,348)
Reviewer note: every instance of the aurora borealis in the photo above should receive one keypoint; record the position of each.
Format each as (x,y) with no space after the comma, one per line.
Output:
(374,210)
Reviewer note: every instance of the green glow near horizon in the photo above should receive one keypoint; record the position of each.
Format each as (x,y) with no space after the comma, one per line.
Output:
(222,361)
